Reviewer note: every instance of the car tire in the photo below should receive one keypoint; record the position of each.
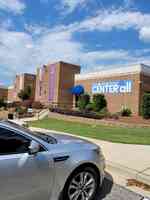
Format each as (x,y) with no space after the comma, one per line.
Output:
(91,175)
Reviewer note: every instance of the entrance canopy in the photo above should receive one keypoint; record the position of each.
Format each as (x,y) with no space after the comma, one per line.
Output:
(77,90)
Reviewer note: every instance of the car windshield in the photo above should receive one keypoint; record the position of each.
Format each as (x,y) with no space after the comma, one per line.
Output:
(45,137)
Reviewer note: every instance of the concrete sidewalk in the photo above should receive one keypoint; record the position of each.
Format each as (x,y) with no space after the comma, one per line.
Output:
(131,161)
(134,160)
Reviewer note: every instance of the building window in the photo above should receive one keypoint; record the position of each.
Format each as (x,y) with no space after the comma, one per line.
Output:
(40,88)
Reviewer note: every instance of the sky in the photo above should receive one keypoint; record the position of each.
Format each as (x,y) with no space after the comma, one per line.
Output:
(96,34)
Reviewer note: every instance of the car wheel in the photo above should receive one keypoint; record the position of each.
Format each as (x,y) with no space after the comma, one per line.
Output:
(82,185)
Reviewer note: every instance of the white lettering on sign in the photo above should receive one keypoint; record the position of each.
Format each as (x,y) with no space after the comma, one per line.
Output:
(112,87)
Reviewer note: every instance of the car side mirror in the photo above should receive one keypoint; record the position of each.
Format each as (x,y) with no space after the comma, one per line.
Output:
(34,147)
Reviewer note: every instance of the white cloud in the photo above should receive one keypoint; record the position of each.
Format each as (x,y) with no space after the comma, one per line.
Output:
(108,20)
(95,57)
(15,6)
(15,56)
(22,52)
(55,46)
(35,29)
(145,34)
(68,6)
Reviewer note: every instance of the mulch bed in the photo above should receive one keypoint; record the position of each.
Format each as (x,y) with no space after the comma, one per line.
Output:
(133,182)
(134,120)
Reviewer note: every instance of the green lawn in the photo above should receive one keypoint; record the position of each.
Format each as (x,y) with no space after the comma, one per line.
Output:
(102,132)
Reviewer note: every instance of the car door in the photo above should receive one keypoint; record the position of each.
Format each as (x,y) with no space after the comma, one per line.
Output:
(23,176)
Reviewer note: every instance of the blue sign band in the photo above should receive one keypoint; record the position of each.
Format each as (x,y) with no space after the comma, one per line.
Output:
(113,87)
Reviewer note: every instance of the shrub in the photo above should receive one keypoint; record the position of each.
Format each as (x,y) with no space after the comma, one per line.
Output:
(84,100)
(104,112)
(99,102)
(126,112)
(37,105)
(146,106)
(115,115)
(21,110)
(89,107)
(25,94)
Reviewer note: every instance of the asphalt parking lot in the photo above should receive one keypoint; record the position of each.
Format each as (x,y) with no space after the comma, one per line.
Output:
(111,191)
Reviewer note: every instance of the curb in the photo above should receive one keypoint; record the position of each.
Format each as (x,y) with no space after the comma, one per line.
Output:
(127,172)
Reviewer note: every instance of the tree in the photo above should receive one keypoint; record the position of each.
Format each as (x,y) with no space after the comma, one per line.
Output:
(99,102)
(84,100)
(146,106)
(25,94)
(2,103)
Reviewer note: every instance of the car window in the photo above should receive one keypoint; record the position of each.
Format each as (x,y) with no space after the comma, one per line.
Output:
(12,143)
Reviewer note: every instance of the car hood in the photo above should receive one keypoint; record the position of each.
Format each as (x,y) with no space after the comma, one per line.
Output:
(62,138)
(71,142)
(67,139)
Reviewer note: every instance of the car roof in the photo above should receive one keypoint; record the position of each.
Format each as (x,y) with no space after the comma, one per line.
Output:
(8,123)
(15,127)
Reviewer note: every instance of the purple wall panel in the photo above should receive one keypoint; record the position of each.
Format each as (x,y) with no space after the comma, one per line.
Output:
(52,80)
(41,79)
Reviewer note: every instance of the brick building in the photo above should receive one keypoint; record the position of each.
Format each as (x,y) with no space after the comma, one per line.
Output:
(3,93)
(122,87)
(21,82)
(53,83)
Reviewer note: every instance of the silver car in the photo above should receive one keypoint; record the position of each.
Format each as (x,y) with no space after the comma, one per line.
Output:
(38,166)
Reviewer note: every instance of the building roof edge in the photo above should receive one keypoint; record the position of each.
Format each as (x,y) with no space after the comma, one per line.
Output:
(138,68)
